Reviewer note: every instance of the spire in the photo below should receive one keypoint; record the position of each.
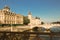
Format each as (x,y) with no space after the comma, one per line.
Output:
(29,12)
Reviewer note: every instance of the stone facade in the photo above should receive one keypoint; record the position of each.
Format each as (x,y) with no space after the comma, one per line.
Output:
(33,21)
(19,19)
(8,17)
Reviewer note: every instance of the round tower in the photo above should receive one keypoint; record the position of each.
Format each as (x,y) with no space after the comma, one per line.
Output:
(29,15)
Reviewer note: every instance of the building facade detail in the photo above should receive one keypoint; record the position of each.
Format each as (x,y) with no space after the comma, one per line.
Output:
(8,17)
(33,21)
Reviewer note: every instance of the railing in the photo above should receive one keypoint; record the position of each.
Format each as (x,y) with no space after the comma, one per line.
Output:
(27,35)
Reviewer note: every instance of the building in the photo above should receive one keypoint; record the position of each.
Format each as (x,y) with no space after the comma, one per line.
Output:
(8,17)
(33,21)
(19,19)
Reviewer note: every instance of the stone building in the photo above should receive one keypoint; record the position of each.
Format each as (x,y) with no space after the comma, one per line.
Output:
(33,21)
(19,19)
(8,17)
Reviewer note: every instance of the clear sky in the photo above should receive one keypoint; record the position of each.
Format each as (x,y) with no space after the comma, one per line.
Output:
(47,10)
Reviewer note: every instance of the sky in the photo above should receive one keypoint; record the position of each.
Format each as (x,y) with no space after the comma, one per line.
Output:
(47,10)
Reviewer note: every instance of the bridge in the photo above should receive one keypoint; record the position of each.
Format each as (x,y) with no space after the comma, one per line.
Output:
(22,28)
(45,25)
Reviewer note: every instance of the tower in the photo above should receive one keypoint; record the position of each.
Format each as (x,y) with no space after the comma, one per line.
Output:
(29,15)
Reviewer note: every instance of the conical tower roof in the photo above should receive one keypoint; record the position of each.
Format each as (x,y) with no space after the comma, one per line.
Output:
(29,13)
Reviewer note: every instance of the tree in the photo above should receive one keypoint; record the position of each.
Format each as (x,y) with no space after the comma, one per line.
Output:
(37,17)
(58,22)
(42,23)
(25,20)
